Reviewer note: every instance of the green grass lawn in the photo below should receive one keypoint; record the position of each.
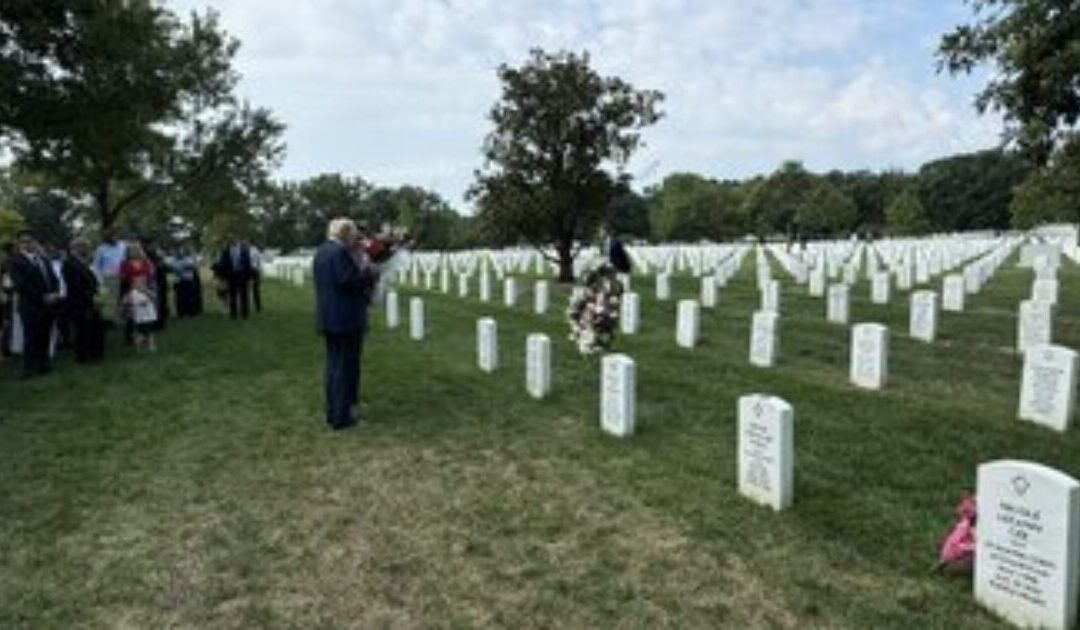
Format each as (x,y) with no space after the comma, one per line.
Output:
(199,487)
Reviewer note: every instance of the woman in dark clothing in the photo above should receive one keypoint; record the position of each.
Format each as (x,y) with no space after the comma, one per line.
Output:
(88,329)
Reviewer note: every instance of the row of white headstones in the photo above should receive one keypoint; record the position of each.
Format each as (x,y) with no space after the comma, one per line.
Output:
(1028,551)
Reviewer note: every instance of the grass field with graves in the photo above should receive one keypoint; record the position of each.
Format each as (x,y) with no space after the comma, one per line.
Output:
(198,487)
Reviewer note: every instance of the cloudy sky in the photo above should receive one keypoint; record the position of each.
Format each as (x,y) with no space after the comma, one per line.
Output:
(397,91)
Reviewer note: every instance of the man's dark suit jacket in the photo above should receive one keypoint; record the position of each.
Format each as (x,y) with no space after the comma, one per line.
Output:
(81,283)
(342,291)
(235,271)
(32,284)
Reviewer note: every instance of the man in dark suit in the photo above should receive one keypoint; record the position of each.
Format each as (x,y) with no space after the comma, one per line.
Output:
(81,303)
(235,267)
(37,290)
(343,286)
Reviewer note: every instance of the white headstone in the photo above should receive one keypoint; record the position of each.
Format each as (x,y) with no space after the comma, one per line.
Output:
(689,323)
(538,365)
(708,292)
(510,292)
(770,296)
(764,341)
(393,313)
(463,285)
(626,281)
(817,282)
(630,313)
(663,286)
(869,355)
(541,297)
(1027,551)
(880,288)
(617,393)
(837,305)
(416,319)
(485,286)
(1045,291)
(487,344)
(766,456)
(952,296)
(1034,324)
(444,279)
(923,318)
(1048,386)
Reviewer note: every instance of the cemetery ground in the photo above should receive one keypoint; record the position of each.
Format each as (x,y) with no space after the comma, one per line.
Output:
(199,487)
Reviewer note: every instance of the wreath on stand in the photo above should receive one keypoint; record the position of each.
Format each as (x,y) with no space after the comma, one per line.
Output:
(594,310)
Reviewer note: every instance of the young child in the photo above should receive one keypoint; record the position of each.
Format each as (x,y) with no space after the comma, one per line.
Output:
(141,309)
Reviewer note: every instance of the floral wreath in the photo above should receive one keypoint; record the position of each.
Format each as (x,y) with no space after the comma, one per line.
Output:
(594,310)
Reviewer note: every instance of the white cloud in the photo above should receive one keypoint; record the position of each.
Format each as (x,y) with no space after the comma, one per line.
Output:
(398,91)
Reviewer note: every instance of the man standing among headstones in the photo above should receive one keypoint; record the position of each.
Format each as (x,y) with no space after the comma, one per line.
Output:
(37,290)
(344,280)
(236,269)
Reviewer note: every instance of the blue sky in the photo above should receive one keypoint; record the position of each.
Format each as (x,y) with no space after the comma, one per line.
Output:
(398,91)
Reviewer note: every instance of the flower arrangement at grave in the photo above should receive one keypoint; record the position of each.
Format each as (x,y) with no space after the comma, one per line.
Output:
(957,553)
(594,308)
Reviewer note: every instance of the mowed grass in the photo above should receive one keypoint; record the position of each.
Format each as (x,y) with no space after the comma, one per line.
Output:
(199,488)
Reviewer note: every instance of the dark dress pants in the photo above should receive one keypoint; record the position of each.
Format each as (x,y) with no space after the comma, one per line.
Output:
(89,335)
(342,377)
(238,297)
(37,332)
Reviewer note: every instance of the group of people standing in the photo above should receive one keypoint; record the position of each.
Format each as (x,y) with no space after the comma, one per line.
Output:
(67,297)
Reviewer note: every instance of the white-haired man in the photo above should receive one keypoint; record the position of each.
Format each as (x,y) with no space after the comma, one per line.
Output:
(343,285)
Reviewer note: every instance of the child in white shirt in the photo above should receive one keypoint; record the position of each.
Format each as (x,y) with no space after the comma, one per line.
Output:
(142,310)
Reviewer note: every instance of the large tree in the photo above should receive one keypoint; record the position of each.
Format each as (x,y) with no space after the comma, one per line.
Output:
(559,125)
(1034,47)
(121,100)
(970,191)
(1052,194)
(772,202)
(826,211)
(906,214)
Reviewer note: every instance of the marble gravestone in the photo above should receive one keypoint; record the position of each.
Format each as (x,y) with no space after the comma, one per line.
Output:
(880,288)
(764,342)
(487,344)
(1034,325)
(869,355)
(1027,553)
(766,455)
(630,313)
(485,286)
(393,313)
(923,318)
(463,285)
(617,393)
(541,297)
(1048,386)
(689,323)
(538,365)
(444,280)
(1044,290)
(708,292)
(770,296)
(663,286)
(510,292)
(952,294)
(416,319)
(817,282)
(903,280)
(837,305)
(626,280)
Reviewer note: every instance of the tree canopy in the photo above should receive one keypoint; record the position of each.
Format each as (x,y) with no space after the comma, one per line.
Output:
(558,127)
(124,102)
(1034,48)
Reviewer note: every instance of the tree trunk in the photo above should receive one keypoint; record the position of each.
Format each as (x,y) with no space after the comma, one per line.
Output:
(566,262)
(104,211)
